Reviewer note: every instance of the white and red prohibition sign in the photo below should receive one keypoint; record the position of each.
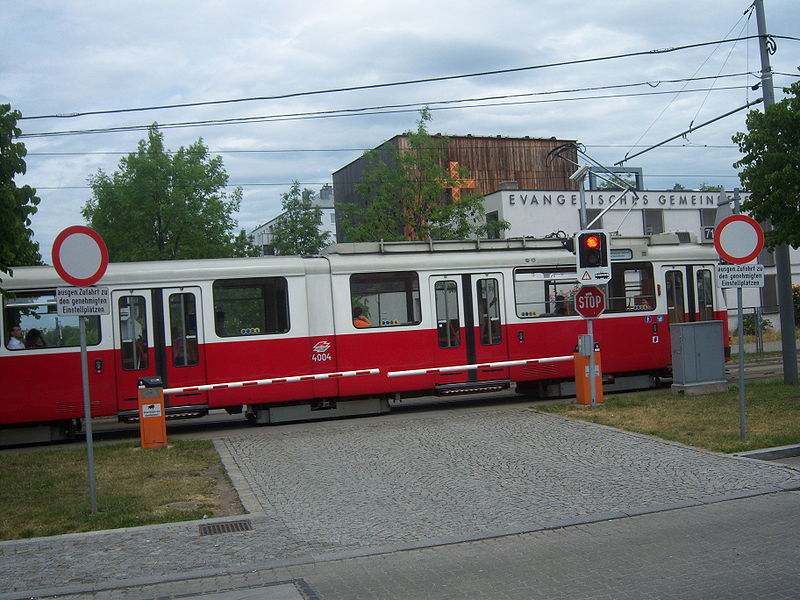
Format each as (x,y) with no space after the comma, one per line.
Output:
(80,256)
(590,302)
(738,239)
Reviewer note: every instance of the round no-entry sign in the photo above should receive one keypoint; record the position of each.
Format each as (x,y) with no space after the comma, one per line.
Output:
(738,239)
(590,301)
(80,255)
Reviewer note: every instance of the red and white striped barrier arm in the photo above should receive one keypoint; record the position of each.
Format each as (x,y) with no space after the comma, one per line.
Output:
(293,379)
(505,363)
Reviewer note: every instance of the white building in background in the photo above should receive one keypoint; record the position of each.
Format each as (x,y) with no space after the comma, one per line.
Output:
(537,213)
(262,235)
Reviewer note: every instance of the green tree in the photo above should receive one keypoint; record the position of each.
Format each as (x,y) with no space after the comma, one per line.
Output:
(243,245)
(297,230)
(707,187)
(770,167)
(406,198)
(17,204)
(162,206)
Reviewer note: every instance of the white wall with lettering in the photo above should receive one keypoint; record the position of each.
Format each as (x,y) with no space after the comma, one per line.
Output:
(539,213)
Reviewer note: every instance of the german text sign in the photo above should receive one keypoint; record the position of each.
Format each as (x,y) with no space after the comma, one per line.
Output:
(735,276)
(83,301)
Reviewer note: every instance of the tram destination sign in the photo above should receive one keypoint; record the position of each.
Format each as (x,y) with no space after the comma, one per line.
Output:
(82,301)
(734,276)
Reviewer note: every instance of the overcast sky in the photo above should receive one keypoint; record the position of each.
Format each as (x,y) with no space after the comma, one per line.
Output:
(62,57)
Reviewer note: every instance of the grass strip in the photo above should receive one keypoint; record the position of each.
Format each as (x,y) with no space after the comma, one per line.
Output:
(708,421)
(46,492)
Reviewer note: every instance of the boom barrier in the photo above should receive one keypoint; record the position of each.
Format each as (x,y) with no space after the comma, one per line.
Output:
(293,379)
(505,363)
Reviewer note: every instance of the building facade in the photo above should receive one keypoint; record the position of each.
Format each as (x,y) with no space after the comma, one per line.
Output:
(493,163)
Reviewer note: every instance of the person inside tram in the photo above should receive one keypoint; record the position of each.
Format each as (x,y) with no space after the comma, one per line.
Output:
(15,338)
(34,339)
(359,320)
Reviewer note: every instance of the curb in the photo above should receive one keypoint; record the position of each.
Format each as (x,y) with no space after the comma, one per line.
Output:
(775,453)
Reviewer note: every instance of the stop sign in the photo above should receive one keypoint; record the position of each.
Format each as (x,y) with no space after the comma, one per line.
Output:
(590,301)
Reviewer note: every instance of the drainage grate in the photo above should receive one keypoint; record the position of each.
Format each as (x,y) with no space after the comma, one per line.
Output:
(229,527)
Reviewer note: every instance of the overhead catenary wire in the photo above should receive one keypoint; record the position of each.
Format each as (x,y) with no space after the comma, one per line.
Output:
(404,83)
(748,105)
(650,83)
(363,111)
(745,16)
(304,150)
(322,183)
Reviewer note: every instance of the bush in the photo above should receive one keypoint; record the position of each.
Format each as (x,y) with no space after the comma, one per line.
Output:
(796,302)
(749,324)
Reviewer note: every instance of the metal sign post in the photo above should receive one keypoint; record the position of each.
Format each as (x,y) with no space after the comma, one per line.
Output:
(739,239)
(87,411)
(590,303)
(80,257)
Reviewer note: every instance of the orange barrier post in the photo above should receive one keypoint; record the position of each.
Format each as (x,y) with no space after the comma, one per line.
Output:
(583,393)
(152,414)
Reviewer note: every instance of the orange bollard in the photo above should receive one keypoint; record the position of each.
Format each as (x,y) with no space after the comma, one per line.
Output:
(583,394)
(152,416)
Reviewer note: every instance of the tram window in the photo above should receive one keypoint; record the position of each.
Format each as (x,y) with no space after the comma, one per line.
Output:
(676,313)
(488,311)
(386,299)
(631,287)
(183,334)
(133,333)
(251,306)
(546,292)
(447,318)
(42,326)
(705,295)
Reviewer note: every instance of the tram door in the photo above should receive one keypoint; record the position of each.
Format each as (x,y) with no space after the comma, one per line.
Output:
(689,293)
(158,332)
(470,317)
(184,350)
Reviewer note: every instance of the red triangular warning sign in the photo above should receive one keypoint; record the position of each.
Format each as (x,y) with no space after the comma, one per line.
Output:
(586,276)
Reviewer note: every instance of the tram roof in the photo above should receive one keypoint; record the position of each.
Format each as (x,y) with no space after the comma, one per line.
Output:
(166,271)
(454,255)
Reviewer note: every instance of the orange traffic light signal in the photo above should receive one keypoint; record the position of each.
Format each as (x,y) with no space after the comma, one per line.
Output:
(593,249)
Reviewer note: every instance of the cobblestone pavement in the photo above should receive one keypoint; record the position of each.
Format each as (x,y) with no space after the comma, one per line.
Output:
(365,487)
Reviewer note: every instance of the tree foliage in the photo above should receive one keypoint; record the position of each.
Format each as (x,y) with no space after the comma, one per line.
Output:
(406,197)
(243,245)
(17,204)
(297,230)
(162,206)
(770,168)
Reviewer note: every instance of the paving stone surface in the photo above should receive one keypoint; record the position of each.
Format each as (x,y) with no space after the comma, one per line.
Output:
(342,489)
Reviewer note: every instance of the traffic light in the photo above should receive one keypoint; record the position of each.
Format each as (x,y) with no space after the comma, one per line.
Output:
(593,249)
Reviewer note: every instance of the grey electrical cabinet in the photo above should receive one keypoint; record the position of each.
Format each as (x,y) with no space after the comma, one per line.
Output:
(698,357)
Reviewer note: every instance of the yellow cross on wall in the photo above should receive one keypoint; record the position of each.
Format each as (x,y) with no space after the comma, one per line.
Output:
(458,183)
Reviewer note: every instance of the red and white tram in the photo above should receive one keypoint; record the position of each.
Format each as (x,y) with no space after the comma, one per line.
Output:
(383,306)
